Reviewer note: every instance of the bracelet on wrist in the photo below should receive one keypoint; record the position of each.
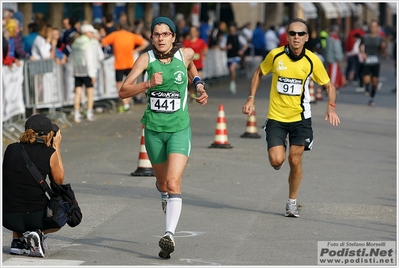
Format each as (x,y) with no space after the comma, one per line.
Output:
(332,104)
(251,97)
(199,83)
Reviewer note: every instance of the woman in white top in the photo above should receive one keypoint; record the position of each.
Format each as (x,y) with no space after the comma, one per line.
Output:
(43,47)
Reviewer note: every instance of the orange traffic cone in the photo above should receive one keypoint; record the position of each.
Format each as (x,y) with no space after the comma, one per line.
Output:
(144,166)
(311,92)
(319,93)
(251,130)
(221,140)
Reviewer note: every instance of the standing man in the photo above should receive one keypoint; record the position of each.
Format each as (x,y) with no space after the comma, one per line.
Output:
(125,44)
(236,45)
(371,46)
(289,116)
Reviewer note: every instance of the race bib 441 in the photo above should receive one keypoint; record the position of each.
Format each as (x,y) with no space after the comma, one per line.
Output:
(165,102)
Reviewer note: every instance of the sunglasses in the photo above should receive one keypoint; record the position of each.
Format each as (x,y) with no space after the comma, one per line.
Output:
(292,33)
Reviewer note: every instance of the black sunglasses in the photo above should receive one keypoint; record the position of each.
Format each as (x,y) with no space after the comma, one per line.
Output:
(292,33)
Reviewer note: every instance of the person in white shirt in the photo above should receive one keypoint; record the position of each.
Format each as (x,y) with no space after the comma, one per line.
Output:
(43,47)
(85,62)
(272,40)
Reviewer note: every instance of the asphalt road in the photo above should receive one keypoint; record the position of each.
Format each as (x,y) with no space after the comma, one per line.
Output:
(233,200)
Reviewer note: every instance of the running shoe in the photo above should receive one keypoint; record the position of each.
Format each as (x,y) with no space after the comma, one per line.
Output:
(19,247)
(291,210)
(90,116)
(167,245)
(123,110)
(78,117)
(35,242)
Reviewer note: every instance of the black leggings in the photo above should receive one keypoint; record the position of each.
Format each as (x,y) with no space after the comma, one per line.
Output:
(23,222)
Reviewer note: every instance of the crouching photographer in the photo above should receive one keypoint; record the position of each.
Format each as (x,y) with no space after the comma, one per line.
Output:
(24,201)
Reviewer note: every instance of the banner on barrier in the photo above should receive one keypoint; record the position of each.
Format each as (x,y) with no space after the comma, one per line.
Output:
(13,100)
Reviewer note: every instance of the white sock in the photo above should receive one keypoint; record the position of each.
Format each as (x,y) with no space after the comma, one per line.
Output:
(173,212)
(126,106)
(292,201)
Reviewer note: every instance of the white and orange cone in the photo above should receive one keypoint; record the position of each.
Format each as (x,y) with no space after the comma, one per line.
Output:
(144,166)
(251,131)
(221,139)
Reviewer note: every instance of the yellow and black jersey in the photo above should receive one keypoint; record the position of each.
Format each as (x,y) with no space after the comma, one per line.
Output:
(289,92)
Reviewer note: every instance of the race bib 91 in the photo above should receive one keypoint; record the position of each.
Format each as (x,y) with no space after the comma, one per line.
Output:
(165,102)
(289,86)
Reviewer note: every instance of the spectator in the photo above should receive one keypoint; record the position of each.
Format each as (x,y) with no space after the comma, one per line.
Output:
(334,56)
(27,40)
(20,52)
(235,45)
(258,40)
(107,49)
(85,67)
(313,43)
(24,201)
(11,28)
(216,35)
(352,59)
(42,47)
(5,47)
(200,49)
(125,45)
(60,58)
(271,39)
(181,30)
(205,30)
(123,19)
(109,23)
(72,29)
(110,27)
(282,34)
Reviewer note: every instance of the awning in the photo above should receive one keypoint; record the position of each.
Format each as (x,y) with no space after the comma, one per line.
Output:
(373,8)
(330,11)
(343,9)
(392,6)
(309,10)
(355,9)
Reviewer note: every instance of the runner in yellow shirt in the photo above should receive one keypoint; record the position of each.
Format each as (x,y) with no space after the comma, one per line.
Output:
(289,115)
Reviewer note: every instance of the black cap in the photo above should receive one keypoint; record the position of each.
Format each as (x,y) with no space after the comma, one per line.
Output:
(40,124)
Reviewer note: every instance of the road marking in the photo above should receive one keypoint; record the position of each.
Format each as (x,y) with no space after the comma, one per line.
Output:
(184,234)
(32,261)
(193,261)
